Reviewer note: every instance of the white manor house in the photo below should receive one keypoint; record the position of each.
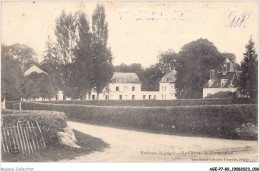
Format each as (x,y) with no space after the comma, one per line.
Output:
(127,86)
(124,86)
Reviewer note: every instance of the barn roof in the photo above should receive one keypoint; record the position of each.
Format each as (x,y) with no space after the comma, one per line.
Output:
(169,77)
(33,69)
(120,77)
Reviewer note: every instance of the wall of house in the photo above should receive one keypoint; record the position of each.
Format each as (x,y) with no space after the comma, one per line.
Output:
(167,91)
(118,91)
(208,91)
(149,95)
(124,91)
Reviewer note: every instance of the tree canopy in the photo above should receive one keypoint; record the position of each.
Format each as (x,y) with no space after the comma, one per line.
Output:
(101,54)
(249,69)
(196,59)
(11,75)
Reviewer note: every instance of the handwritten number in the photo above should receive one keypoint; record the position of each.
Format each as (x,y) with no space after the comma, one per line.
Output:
(238,21)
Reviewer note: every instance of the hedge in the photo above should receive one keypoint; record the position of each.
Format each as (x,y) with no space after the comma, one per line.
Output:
(206,120)
(152,103)
(50,122)
(9,104)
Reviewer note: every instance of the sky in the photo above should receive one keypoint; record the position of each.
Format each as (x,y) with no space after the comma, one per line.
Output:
(140,31)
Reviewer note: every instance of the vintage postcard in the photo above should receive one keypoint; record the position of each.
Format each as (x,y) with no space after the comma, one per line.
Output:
(136,82)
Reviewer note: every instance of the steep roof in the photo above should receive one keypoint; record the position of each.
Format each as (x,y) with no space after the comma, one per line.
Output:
(231,80)
(120,77)
(169,77)
(33,69)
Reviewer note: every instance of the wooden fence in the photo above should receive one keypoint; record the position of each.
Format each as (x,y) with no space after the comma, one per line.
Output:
(26,137)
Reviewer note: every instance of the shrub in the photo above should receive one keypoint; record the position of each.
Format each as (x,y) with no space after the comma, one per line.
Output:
(50,122)
(248,131)
(152,103)
(208,120)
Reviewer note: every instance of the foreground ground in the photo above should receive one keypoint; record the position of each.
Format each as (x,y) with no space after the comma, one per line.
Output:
(133,146)
(56,152)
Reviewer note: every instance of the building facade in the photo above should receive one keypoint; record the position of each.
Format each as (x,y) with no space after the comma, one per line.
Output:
(167,86)
(127,86)
(225,81)
(124,86)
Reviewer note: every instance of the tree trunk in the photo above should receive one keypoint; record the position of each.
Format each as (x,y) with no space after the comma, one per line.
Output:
(97,96)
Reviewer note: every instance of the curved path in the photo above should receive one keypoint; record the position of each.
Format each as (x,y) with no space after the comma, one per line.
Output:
(134,146)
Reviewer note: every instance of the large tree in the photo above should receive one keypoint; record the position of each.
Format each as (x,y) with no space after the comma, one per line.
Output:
(249,66)
(196,59)
(152,77)
(51,64)
(65,32)
(101,54)
(82,67)
(24,54)
(11,75)
(167,61)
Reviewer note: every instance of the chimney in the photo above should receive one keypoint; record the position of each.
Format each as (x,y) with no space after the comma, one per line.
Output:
(212,74)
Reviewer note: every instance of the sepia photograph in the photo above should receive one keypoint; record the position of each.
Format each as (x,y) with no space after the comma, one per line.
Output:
(140,82)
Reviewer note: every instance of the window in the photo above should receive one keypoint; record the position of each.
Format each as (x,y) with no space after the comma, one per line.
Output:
(223,82)
(120,97)
(93,97)
(107,97)
(162,96)
(150,97)
(133,88)
(144,97)
(133,97)
(117,88)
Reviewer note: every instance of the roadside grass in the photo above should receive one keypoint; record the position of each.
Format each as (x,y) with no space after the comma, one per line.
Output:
(59,152)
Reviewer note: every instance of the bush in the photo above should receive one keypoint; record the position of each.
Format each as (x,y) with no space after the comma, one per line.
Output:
(152,103)
(50,122)
(248,131)
(208,120)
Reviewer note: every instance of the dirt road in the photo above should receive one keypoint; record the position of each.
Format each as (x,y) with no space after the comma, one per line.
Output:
(133,146)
